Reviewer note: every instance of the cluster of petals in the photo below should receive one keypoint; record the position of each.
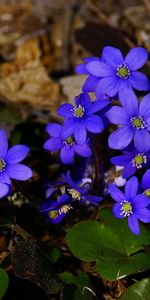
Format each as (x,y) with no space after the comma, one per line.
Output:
(56,210)
(68,148)
(81,118)
(132,161)
(130,205)
(133,119)
(113,73)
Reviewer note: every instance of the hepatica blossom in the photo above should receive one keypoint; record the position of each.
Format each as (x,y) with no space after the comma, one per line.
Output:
(81,118)
(55,211)
(67,147)
(133,120)
(80,192)
(130,205)
(117,73)
(10,167)
(132,161)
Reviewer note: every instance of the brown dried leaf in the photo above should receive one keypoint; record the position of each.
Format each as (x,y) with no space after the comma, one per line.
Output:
(25,80)
(72,86)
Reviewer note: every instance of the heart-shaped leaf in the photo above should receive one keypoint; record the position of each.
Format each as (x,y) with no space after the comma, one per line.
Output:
(139,291)
(4,280)
(110,243)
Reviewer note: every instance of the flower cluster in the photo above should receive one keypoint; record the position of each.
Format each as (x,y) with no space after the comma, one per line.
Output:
(127,121)
(72,192)
(79,120)
(110,75)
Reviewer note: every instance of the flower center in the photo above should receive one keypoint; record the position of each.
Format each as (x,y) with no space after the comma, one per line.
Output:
(2,165)
(126,209)
(123,71)
(74,193)
(138,122)
(69,141)
(64,209)
(139,160)
(147,193)
(79,111)
(53,214)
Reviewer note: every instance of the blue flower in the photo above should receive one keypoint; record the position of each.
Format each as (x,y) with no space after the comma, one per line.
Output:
(55,211)
(10,167)
(118,73)
(4,189)
(130,205)
(133,120)
(82,117)
(132,161)
(67,147)
(80,192)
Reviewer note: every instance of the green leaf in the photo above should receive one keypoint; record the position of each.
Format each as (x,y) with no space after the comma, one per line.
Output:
(139,291)
(111,244)
(80,286)
(4,280)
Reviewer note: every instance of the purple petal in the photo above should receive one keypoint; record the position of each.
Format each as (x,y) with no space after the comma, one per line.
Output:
(89,59)
(50,191)
(136,58)
(69,179)
(139,81)
(65,110)
(146,180)
(120,160)
(53,144)
(4,189)
(83,99)
(124,84)
(134,224)
(129,102)
(3,143)
(16,154)
(128,170)
(67,155)
(81,69)
(83,150)
(117,115)
(54,129)
(140,201)
(19,172)
(117,211)
(143,214)
(100,69)
(80,133)
(109,86)
(131,188)
(120,138)
(90,84)
(97,106)
(93,199)
(4,178)
(94,123)
(116,194)
(68,128)
(112,56)
(64,199)
(142,140)
(144,109)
